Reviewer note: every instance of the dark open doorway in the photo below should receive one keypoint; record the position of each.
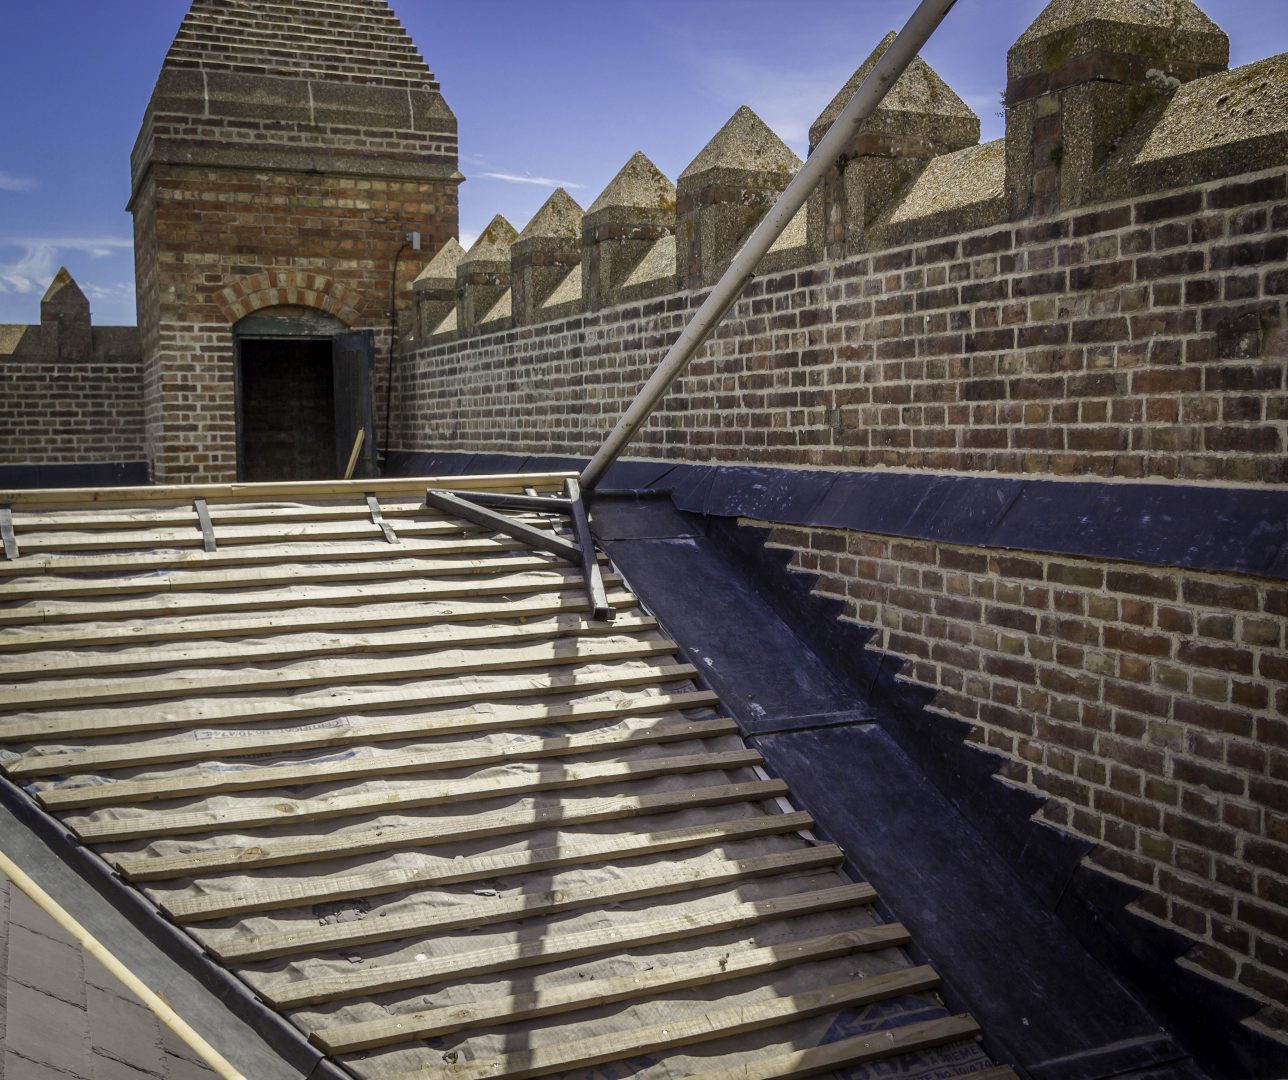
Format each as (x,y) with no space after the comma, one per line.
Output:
(287,409)
(304,395)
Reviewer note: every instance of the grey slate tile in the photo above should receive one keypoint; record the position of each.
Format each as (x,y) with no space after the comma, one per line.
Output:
(97,975)
(47,1031)
(48,965)
(123,1030)
(177,1068)
(18,1068)
(106,1068)
(176,1047)
(24,912)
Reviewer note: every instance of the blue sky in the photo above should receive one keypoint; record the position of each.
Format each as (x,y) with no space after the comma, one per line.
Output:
(557,92)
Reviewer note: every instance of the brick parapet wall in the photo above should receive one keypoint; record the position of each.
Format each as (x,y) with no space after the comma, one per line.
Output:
(1144,338)
(1148,706)
(57,412)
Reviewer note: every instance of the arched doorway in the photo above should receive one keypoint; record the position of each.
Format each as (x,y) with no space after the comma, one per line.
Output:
(304,391)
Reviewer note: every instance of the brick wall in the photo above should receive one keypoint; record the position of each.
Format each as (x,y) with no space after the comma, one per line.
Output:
(71,413)
(72,392)
(1143,338)
(225,243)
(1148,705)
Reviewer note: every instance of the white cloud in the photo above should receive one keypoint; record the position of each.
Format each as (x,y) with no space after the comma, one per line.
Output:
(468,239)
(9,182)
(35,267)
(540,181)
(786,100)
(121,290)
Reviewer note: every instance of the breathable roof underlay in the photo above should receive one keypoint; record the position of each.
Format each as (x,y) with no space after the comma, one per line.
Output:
(401,783)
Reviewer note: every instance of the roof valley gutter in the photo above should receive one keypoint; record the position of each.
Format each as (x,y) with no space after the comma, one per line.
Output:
(253,1040)
(902,51)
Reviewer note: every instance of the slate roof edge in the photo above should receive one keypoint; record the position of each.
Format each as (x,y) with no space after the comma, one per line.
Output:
(1233,530)
(224,1011)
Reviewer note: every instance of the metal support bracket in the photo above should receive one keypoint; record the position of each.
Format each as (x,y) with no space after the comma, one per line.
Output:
(206,525)
(378,519)
(484,508)
(586,542)
(6,532)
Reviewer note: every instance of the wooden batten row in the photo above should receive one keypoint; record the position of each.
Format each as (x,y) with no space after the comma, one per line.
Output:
(282,648)
(234,950)
(430,614)
(57,550)
(97,722)
(457,661)
(861,1050)
(80,498)
(390,763)
(369,840)
(442,872)
(654,979)
(520,576)
(558,948)
(361,731)
(415,796)
(284,563)
(155,642)
(712,1024)
(182,515)
(361,564)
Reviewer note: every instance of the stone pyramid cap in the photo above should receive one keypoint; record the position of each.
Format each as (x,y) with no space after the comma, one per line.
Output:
(1060,15)
(64,292)
(1161,29)
(493,245)
(559,218)
(918,90)
(747,144)
(441,269)
(639,184)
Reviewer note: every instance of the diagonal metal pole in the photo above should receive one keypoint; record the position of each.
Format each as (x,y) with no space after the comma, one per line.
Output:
(902,51)
(589,561)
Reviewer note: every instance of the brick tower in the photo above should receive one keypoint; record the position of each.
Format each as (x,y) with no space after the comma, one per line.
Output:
(288,149)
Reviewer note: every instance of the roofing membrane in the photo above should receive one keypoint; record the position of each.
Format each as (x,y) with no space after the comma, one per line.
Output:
(406,788)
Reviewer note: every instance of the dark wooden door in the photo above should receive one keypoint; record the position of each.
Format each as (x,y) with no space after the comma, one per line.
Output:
(353,359)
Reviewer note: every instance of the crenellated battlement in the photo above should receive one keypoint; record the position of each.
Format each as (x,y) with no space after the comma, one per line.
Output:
(1104,102)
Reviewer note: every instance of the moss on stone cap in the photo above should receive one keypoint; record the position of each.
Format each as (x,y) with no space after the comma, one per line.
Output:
(64,294)
(1160,31)
(918,92)
(559,218)
(1231,107)
(493,244)
(746,144)
(639,184)
(440,271)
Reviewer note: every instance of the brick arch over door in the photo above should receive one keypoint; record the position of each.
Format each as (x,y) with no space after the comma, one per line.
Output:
(273,288)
